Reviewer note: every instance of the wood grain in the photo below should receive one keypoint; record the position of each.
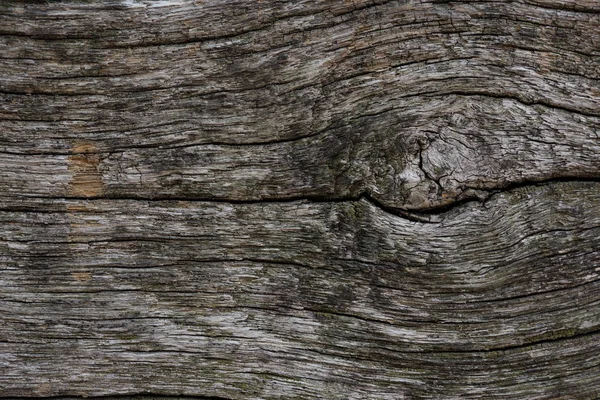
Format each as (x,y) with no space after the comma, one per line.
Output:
(309,199)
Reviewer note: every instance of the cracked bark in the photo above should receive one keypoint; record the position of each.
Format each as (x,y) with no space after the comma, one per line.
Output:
(308,199)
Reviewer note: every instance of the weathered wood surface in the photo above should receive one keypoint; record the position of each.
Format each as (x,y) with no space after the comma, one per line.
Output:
(308,199)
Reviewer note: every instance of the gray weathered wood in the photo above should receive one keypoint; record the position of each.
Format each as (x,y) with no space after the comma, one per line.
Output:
(309,199)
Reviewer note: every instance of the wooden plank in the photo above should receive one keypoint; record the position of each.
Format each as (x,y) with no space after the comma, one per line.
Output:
(302,298)
(345,101)
(310,199)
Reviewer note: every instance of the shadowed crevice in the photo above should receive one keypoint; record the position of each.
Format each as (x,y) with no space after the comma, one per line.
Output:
(425,215)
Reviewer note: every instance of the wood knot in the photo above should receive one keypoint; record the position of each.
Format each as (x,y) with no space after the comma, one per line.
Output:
(86,180)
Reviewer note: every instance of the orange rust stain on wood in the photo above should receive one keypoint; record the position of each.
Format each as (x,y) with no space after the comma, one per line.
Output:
(81,276)
(86,180)
(76,207)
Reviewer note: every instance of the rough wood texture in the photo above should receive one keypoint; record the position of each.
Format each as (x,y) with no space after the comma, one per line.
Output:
(300,199)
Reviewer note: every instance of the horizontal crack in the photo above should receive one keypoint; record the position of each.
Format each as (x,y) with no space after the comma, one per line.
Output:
(423,215)
(516,97)
(583,334)
(427,213)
